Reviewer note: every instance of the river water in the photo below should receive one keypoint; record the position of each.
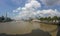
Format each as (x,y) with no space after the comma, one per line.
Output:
(18,27)
(22,27)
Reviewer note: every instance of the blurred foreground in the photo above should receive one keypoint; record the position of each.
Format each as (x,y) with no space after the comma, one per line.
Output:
(25,27)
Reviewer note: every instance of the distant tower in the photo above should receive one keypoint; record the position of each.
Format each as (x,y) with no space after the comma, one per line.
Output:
(6,14)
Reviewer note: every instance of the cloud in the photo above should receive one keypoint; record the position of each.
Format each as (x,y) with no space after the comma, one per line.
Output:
(33,4)
(51,2)
(49,12)
(30,11)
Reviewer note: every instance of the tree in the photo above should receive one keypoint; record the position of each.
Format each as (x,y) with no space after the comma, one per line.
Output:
(45,18)
(55,18)
(52,19)
(58,18)
(2,18)
(41,19)
(8,19)
(49,19)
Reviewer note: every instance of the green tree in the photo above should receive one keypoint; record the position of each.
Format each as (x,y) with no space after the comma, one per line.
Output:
(8,19)
(49,19)
(59,19)
(41,19)
(55,18)
(52,19)
(3,18)
(45,18)
(0,19)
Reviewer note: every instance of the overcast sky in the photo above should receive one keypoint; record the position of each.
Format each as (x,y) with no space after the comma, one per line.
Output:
(29,8)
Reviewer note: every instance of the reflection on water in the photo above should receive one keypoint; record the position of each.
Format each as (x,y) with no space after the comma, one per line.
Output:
(23,27)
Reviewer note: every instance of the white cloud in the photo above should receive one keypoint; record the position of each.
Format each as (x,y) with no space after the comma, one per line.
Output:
(42,13)
(49,12)
(17,10)
(29,11)
(33,4)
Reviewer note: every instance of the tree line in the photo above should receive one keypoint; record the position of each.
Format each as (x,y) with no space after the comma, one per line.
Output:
(5,19)
(54,19)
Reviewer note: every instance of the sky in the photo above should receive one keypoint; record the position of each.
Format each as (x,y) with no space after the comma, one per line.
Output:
(25,9)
